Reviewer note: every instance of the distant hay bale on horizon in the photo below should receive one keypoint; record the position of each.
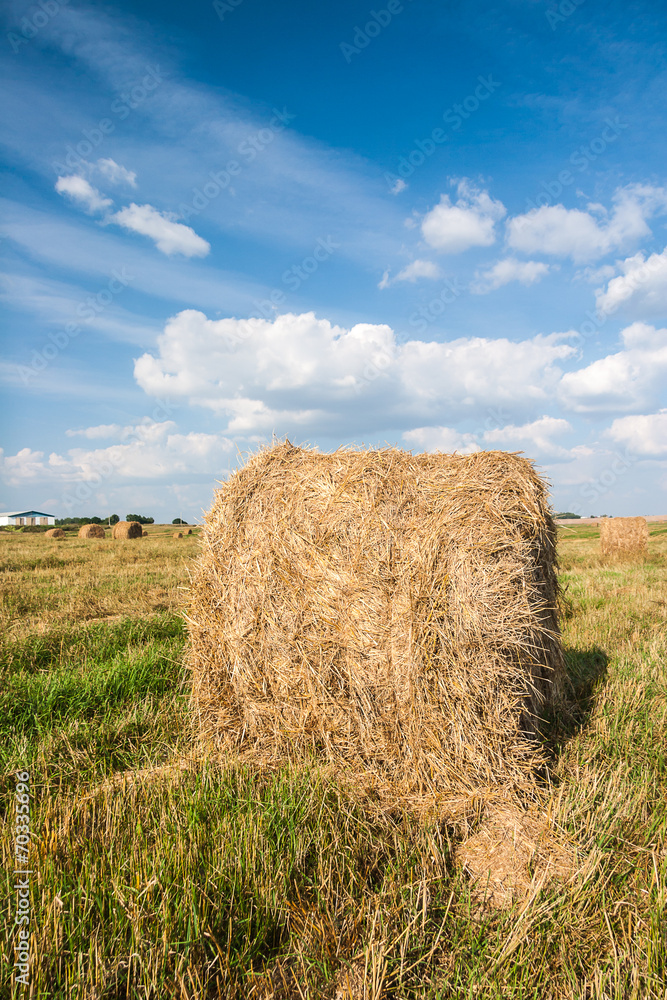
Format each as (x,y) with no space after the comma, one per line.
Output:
(126,529)
(394,614)
(144,534)
(623,536)
(178,534)
(91,531)
(54,533)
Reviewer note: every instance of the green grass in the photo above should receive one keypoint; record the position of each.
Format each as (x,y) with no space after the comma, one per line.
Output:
(78,703)
(160,874)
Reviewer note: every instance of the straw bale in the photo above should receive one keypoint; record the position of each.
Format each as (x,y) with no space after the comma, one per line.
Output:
(126,529)
(394,614)
(623,536)
(144,534)
(91,531)
(178,534)
(54,533)
(189,531)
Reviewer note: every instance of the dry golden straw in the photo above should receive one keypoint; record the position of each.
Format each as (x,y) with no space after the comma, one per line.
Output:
(623,536)
(54,533)
(91,531)
(395,614)
(127,529)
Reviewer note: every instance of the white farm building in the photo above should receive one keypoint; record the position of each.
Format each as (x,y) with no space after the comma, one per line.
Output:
(27,517)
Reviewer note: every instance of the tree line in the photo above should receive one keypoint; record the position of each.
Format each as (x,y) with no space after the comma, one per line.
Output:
(111,519)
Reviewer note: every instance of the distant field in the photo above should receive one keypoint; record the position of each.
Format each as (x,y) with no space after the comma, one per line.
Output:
(574,521)
(160,874)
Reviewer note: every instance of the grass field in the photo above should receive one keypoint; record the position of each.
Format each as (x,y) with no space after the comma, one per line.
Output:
(159,874)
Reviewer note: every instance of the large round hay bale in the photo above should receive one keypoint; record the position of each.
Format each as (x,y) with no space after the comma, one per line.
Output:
(177,534)
(144,534)
(54,533)
(91,531)
(189,531)
(126,529)
(623,537)
(395,614)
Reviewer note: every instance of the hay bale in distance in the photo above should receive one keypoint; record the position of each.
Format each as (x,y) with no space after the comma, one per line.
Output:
(623,536)
(396,614)
(54,533)
(126,529)
(91,531)
(144,534)
(177,534)
(189,531)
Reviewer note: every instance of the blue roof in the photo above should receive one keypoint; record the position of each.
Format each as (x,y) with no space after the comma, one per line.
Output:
(25,513)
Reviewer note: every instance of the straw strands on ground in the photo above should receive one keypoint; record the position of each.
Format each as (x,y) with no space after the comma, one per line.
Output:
(54,533)
(394,614)
(127,529)
(623,536)
(91,531)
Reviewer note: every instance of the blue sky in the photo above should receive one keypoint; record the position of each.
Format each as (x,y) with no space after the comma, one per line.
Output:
(412,223)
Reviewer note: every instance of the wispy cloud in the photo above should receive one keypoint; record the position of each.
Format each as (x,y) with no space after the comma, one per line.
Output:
(412,273)
(525,272)
(169,236)
(116,173)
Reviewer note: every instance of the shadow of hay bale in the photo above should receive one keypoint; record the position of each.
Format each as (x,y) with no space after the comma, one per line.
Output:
(585,670)
(512,853)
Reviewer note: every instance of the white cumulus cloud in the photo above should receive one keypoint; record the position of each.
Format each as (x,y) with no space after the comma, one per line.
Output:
(80,190)
(445,439)
(151,450)
(627,380)
(470,222)
(587,235)
(536,437)
(298,370)
(525,272)
(641,287)
(169,236)
(645,434)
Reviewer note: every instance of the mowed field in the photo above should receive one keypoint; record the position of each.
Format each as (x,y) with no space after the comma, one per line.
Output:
(160,873)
